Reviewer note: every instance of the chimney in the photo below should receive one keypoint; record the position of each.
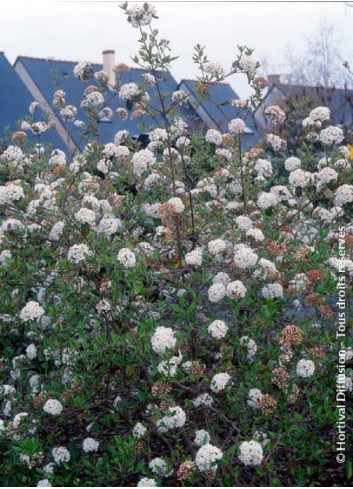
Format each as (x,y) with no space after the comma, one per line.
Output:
(274,79)
(108,65)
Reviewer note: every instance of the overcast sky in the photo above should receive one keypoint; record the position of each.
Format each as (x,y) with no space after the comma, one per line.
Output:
(81,30)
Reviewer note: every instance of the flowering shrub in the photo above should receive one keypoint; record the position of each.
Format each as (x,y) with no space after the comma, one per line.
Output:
(170,322)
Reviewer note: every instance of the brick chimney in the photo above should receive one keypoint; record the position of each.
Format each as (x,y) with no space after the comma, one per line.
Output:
(273,79)
(108,65)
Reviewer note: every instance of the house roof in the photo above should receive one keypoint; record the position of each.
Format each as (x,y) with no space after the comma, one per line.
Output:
(339,100)
(50,75)
(14,102)
(219,110)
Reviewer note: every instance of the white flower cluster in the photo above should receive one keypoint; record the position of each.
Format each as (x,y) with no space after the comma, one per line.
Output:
(254,397)
(305,368)
(275,114)
(160,467)
(292,163)
(82,70)
(202,437)
(276,143)
(129,91)
(266,200)
(320,114)
(236,126)
(85,216)
(207,457)
(236,290)
(218,329)
(90,445)
(214,69)
(127,258)
(216,292)
(145,482)
(244,257)
(272,291)
(213,136)
(57,231)
(53,407)
(60,455)
(10,194)
(219,382)
(194,257)
(177,204)
(175,418)
(31,311)
(78,253)
(344,195)
(162,340)
(251,453)
(331,135)
(143,160)
(139,430)
(141,15)
(109,225)
(300,178)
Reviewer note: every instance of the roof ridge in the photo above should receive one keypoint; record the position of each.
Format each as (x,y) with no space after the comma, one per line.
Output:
(314,87)
(52,58)
(212,83)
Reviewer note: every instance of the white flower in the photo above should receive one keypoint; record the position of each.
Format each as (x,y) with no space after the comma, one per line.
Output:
(236,290)
(256,234)
(129,91)
(179,97)
(78,253)
(57,231)
(145,482)
(244,257)
(139,430)
(202,437)
(320,114)
(213,136)
(218,329)
(169,367)
(93,99)
(207,456)
(217,246)
(203,400)
(53,407)
(305,368)
(251,453)
(221,278)
(214,69)
(127,258)
(216,292)
(263,168)
(162,340)
(272,291)
(140,15)
(247,64)
(90,445)
(254,397)
(331,135)
(85,216)
(236,126)
(60,454)
(10,194)
(31,311)
(194,257)
(142,161)
(300,178)
(174,419)
(177,204)
(267,200)
(44,483)
(31,351)
(276,143)
(292,163)
(244,223)
(219,382)
(344,195)
(109,225)
(160,467)
(82,70)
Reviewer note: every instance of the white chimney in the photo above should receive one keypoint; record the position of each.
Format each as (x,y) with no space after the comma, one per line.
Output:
(108,65)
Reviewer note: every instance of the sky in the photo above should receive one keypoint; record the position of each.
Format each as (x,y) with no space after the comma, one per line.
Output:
(81,30)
